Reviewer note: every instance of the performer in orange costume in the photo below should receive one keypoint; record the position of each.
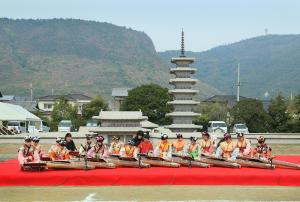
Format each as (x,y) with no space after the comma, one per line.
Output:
(164,148)
(59,151)
(179,145)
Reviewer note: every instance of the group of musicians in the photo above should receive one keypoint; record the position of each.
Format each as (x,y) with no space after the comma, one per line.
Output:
(95,147)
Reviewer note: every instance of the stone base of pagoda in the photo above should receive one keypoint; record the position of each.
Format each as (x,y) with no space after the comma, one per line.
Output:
(182,128)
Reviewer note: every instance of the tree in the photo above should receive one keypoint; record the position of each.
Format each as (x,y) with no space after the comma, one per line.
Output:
(62,110)
(202,120)
(94,107)
(279,115)
(251,112)
(208,112)
(293,110)
(152,100)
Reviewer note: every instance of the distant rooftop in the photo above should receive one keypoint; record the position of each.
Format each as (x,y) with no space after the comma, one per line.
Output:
(230,100)
(6,97)
(70,97)
(120,92)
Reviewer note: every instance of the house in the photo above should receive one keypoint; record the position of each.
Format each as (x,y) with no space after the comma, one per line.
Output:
(25,102)
(6,98)
(46,103)
(229,100)
(119,123)
(119,95)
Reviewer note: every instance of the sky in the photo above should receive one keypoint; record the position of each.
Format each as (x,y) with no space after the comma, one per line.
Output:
(206,23)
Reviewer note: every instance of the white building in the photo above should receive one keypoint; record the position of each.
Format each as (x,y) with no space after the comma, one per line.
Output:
(46,103)
(119,123)
(183,93)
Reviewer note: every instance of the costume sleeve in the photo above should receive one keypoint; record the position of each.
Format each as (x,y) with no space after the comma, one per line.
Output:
(67,155)
(21,157)
(36,156)
(247,149)
(234,154)
(135,153)
(151,148)
(219,152)
(110,150)
(122,151)
(81,150)
(157,151)
(169,154)
(91,153)
(105,152)
(52,154)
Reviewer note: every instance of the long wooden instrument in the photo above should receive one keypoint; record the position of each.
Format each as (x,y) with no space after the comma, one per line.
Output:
(69,165)
(34,166)
(253,164)
(188,161)
(127,162)
(101,163)
(212,160)
(273,162)
(159,162)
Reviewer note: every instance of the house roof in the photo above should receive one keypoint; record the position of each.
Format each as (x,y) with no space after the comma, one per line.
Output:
(223,98)
(120,115)
(10,112)
(119,92)
(25,102)
(230,100)
(70,97)
(6,98)
(148,124)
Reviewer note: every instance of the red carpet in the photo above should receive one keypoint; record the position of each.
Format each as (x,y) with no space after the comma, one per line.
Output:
(10,175)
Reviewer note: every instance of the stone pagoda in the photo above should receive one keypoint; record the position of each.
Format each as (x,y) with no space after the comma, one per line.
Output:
(182,94)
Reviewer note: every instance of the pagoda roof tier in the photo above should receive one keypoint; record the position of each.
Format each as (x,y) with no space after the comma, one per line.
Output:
(183,102)
(182,114)
(183,80)
(183,59)
(183,91)
(183,69)
(184,126)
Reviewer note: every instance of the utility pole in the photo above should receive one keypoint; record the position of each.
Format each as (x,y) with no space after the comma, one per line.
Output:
(238,85)
(31,92)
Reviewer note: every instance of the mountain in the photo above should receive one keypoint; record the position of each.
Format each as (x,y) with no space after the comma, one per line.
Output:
(268,64)
(76,56)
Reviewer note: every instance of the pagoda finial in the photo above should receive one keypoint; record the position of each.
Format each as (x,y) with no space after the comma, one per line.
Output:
(182,44)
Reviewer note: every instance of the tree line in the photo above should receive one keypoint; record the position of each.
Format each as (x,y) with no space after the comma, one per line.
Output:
(282,114)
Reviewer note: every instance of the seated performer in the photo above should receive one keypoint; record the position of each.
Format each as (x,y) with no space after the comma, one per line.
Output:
(179,145)
(193,149)
(27,154)
(38,147)
(115,146)
(138,138)
(261,150)
(129,150)
(164,148)
(146,147)
(227,149)
(86,147)
(243,144)
(207,145)
(70,143)
(59,151)
(99,150)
